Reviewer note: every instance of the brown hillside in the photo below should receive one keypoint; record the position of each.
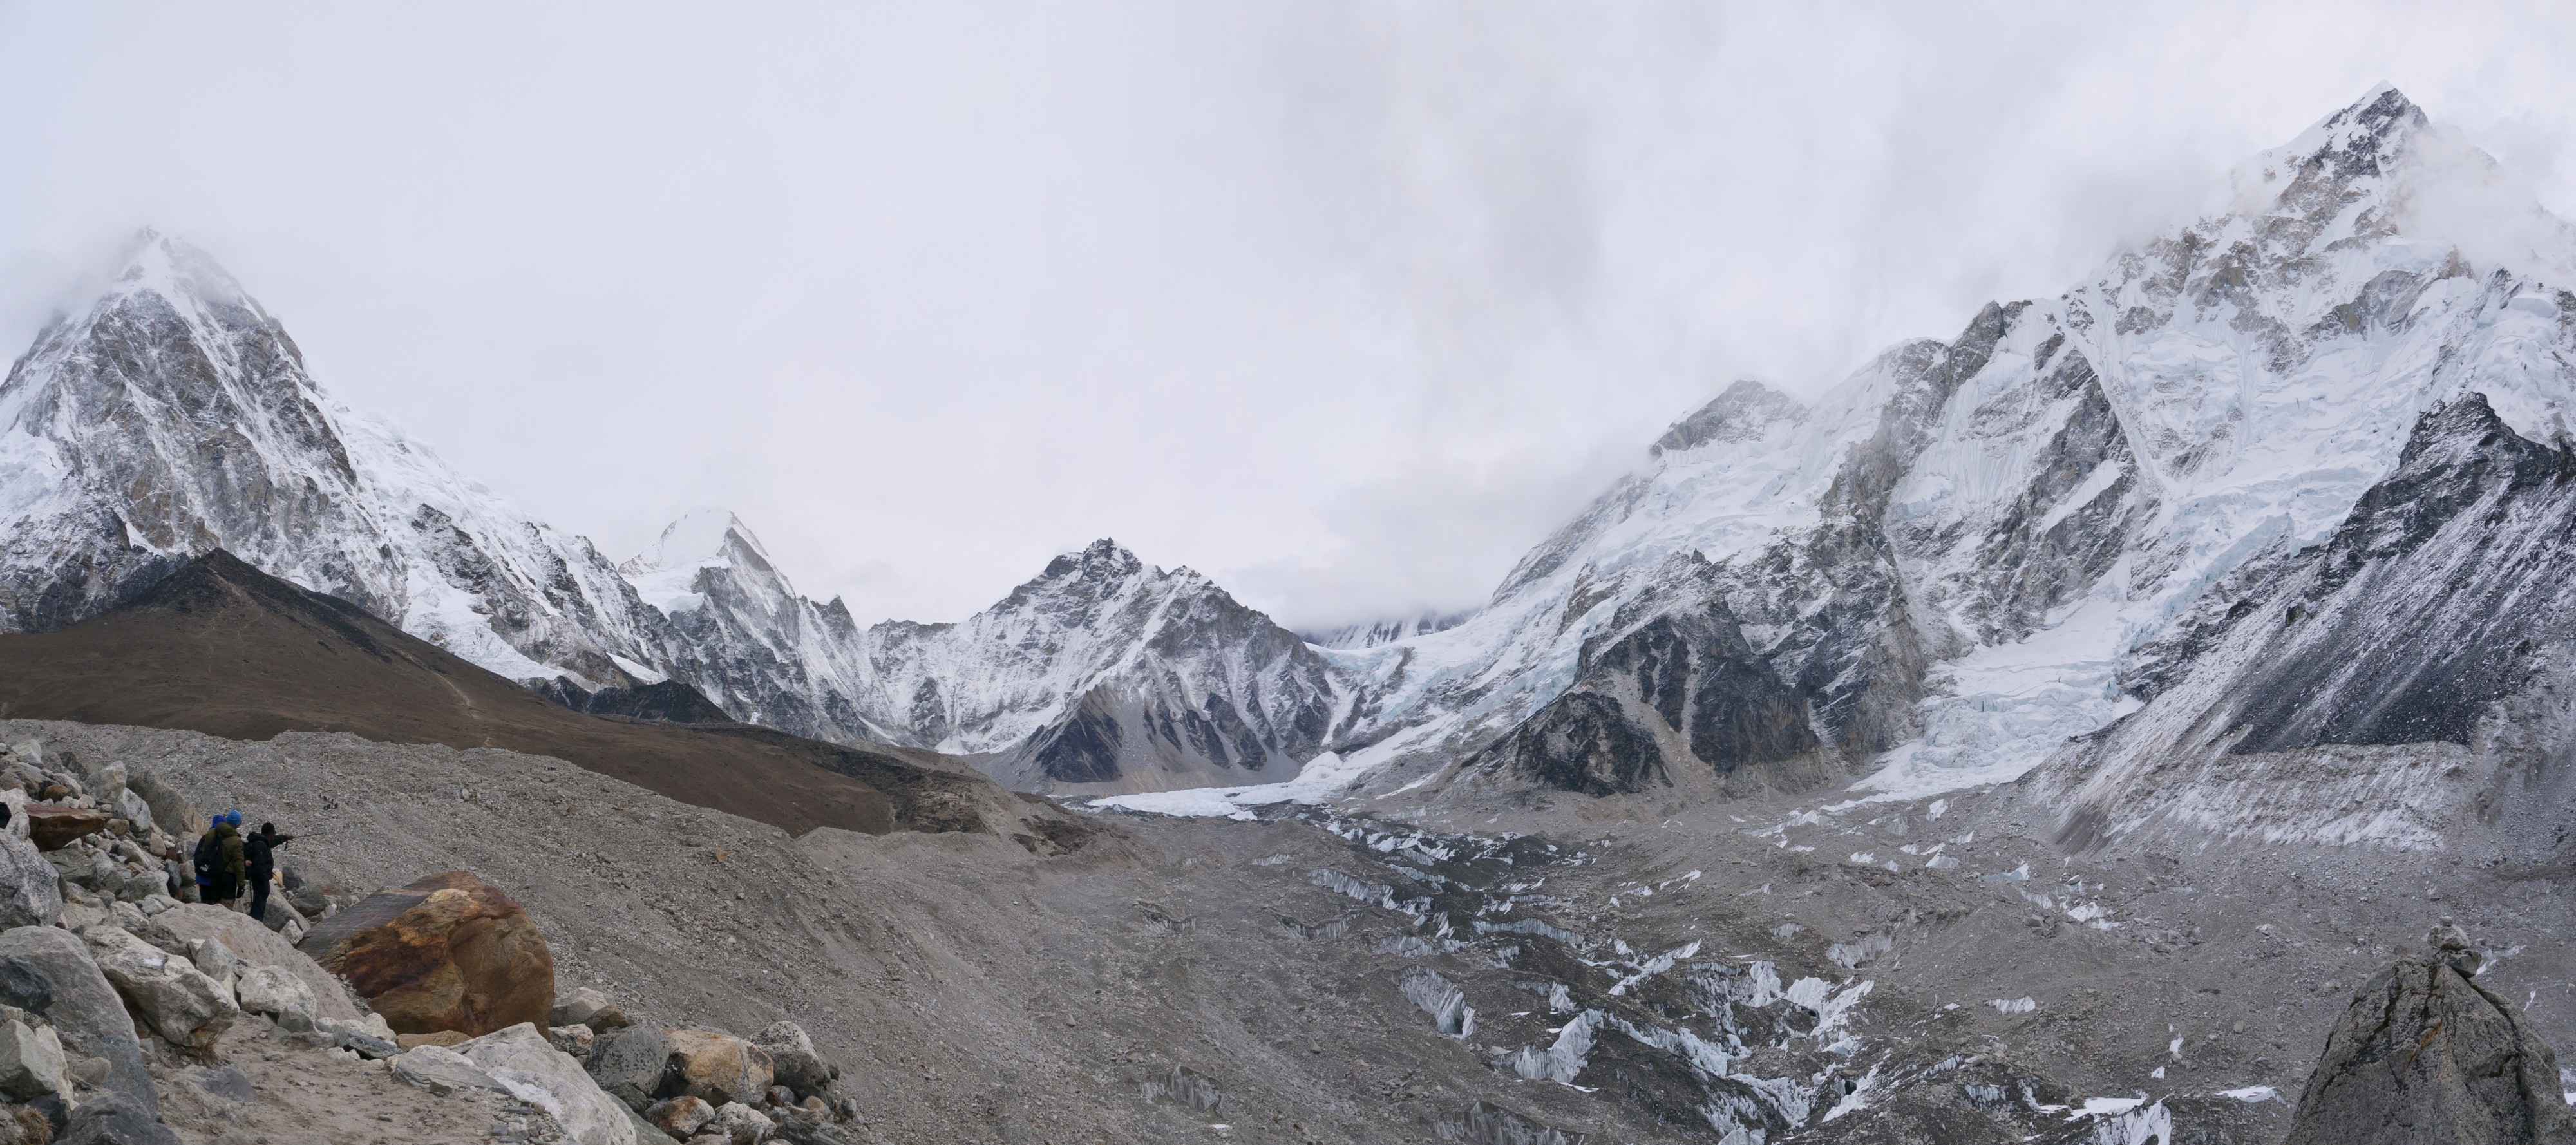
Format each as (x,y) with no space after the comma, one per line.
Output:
(222,648)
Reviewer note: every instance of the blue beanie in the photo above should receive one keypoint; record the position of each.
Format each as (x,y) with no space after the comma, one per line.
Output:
(233,817)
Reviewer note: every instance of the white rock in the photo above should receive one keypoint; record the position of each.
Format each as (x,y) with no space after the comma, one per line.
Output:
(17,801)
(741,1124)
(278,993)
(440,1070)
(180,1002)
(132,807)
(217,961)
(31,1061)
(541,1075)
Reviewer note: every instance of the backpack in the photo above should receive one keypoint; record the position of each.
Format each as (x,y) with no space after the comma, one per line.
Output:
(210,859)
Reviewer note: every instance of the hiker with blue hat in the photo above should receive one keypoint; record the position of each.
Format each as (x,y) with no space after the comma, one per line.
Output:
(220,861)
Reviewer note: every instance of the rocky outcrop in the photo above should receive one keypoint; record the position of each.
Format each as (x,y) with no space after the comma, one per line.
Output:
(449,952)
(2426,1056)
(48,972)
(1670,693)
(253,946)
(522,1061)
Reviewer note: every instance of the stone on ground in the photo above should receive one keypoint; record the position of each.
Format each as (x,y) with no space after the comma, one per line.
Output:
(575,1040)
(30,888)
(441,1071)
(278,993)
(631,1063)
(718,1067)
(584,1006)
(450,952)
(242,937)
(170,810)
(741,1124)
(541,1075)
(2426,1056)
(49,972)
(52,826)
(792,1055)
(31,1061)
(183,1005)
(680,1117)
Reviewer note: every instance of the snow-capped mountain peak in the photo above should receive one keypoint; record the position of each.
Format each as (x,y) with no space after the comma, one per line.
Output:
(1745,412)
(695,537)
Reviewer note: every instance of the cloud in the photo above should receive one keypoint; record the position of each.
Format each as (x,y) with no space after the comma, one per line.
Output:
(1343,303)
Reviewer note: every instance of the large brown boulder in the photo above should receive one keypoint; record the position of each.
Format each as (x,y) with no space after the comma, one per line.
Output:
(450,952)
(53,826)
(2426,1056)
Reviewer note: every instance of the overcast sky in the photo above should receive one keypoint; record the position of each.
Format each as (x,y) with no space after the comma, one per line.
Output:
(1343,304)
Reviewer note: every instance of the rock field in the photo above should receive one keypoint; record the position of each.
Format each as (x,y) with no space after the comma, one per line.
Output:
(1603,968)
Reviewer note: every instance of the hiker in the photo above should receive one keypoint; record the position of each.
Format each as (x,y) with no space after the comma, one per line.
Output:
(261,853)
(220,862)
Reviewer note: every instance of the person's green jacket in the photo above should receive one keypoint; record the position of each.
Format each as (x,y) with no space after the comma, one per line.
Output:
(235,866)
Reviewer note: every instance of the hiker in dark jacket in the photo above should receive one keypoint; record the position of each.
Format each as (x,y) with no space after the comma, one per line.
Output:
(260,856)
(224,882)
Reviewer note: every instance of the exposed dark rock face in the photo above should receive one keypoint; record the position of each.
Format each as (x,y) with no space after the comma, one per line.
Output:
(1673,669)
(668,701)
(2432,598)
(2426,1056)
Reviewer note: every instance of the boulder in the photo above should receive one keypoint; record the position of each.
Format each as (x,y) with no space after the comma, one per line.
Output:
(16,798)
(127,917)
(741,1124)
(718,1067)
(587,1007)
(645,1132)
(792,1055)
(632,1063)
(539,1074)
(243,938)
(30,888)
(450,952)
(681,1117)
(136,886)
(441,1071)
(170,810)
(31,1061)
(52,826)
(575,1040)
(282,914)
(182,1005)
(278,993)
(215,960)
(134,810)
(2425,1055)
(49,972)
(116,1119)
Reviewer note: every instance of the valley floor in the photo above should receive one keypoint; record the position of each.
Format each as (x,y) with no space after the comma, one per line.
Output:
(1720,973)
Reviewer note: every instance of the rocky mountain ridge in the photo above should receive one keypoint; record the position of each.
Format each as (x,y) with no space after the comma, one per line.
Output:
(1931,575)
(1975,549)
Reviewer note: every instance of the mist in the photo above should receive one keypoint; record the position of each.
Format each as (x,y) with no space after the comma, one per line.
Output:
(1345,305)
